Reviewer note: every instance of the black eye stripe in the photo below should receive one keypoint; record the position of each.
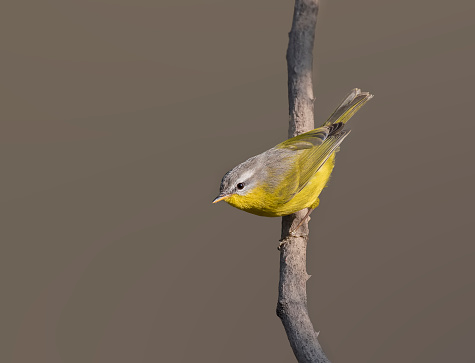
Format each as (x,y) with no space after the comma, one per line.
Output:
(240,185)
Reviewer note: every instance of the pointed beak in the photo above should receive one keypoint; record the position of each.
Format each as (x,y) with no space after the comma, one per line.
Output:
(220,197)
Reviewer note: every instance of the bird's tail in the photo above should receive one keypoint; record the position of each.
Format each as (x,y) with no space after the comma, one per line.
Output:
(352,103)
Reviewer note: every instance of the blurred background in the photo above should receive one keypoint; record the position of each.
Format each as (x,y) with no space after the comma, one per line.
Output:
(118,120)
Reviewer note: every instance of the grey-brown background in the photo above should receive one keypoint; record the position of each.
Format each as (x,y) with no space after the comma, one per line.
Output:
(118,120)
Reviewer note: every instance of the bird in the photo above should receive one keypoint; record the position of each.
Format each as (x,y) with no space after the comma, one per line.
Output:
(290,176)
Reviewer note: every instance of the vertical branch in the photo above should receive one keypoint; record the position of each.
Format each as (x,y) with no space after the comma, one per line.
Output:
(300,67)
(292,301)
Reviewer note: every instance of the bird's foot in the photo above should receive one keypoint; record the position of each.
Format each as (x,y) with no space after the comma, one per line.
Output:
(286,239)
(282,243)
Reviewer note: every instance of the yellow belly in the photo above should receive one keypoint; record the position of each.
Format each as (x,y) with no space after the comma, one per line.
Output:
(261,203)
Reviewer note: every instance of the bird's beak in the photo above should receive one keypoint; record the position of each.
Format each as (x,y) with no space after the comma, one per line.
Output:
(220,197)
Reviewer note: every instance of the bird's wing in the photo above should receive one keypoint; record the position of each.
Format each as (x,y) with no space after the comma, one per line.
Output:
(315,147)
(307,140)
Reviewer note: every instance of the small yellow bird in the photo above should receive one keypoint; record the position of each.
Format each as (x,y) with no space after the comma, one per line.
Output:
(290,176)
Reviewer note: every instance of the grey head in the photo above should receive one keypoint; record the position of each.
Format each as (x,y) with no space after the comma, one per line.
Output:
(242,178)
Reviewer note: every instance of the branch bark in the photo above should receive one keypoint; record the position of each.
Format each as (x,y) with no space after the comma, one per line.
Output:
(292,301)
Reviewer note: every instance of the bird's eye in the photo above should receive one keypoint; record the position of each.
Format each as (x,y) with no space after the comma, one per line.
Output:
(240,186)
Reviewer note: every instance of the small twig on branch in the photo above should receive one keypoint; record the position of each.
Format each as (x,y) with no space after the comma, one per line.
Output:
(292,302)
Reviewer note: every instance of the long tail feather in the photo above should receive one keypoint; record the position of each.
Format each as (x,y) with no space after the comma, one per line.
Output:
(352,103)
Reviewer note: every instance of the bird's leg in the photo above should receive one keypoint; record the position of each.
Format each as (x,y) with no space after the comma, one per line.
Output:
(293,230)
(283,241)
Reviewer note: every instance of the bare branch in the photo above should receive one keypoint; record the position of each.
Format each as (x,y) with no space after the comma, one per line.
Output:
(292,301)
(300,66)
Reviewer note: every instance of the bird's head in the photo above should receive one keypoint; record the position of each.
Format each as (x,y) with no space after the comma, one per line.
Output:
(239,181)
